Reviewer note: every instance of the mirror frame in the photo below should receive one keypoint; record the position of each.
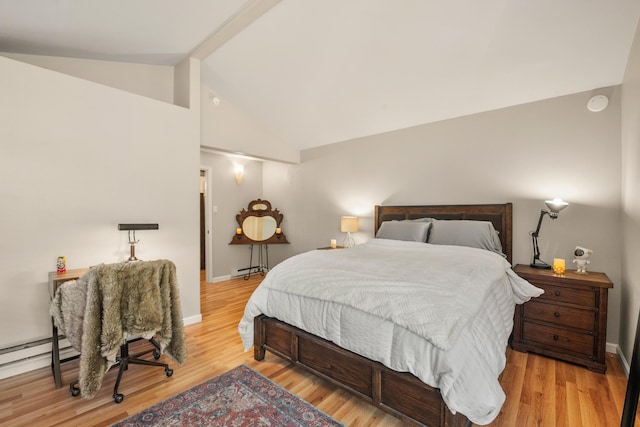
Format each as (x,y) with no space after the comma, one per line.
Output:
(251,211)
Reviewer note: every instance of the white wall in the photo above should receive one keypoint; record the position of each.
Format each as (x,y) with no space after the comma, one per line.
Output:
(153,81)
(524,154)
(630,199)
(224,127)
(229,198)
(226,130)
(76,159)
(277,183)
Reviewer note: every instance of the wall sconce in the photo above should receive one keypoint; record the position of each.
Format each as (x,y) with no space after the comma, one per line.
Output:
(349,224)
(554,206)
(239,171)
(131,228)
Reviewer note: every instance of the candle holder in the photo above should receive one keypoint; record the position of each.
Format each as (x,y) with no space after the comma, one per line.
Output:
(558,267)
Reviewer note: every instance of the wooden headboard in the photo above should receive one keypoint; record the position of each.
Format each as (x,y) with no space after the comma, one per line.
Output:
(498,214)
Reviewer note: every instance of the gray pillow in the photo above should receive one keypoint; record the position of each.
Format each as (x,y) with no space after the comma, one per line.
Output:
(423,219)
(476,234)
(413,231)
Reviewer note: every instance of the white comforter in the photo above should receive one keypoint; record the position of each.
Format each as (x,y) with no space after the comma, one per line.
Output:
(443,313)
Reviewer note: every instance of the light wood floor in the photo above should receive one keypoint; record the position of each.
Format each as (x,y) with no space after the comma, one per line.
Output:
(540,391)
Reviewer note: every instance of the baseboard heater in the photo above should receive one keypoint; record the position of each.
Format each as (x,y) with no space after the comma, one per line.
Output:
(26,357)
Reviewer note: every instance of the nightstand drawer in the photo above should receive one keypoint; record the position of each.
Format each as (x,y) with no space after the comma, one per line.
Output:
(584,297)
(560,315)
(559,338)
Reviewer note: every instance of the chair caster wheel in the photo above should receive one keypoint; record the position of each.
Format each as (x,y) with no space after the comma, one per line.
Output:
(168,371)
(118,397)
(75,391)
(156,355)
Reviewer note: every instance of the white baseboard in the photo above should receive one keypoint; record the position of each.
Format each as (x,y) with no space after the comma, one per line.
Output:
(39,356)
(192,319)
(221,278)
(621,358)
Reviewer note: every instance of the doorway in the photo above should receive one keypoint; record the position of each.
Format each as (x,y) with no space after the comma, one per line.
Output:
(203,226)
(205,212)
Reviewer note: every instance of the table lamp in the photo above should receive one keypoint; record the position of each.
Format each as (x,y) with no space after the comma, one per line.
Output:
(554,206)
(131,228)
(349,224)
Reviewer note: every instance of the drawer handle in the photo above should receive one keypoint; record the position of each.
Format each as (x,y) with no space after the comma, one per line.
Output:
(556,338)
(556,314)
(557,293)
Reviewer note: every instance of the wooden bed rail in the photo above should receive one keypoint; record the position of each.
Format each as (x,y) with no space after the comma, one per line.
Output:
(398,393)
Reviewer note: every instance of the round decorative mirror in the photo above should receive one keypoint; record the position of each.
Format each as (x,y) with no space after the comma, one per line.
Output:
(259,224)
(259,228)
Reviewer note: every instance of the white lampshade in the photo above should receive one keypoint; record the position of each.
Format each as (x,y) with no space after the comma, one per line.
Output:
(556,205)
(349,224)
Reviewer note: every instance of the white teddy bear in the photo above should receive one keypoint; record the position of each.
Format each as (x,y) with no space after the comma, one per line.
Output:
(581,258)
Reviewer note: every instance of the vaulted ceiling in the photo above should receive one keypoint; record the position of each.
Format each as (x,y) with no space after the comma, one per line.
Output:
(316,72)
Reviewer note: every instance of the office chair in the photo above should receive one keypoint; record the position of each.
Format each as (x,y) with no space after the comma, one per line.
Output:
(113,305)
(123,361)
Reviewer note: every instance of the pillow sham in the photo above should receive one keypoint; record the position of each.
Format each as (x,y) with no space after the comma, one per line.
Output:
(476,234)
(413,231)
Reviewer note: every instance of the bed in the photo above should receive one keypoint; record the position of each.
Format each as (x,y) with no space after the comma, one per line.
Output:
(357,337)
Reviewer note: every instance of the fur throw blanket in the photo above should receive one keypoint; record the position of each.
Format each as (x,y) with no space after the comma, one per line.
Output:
(115,302)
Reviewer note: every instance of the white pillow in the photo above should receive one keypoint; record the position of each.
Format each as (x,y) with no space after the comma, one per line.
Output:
(412,231)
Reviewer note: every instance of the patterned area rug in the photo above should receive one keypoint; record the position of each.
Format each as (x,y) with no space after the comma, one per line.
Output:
(240,398)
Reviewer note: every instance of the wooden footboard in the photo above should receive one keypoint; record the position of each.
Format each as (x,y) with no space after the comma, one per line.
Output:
(398,393)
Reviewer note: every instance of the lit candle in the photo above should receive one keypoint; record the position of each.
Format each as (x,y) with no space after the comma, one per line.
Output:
(278,230)
(558,266)
(333,243)
(238,230)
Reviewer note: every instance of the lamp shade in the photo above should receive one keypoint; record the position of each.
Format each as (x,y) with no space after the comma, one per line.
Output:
(239,171)
(555,206)
(134,227)
(349,224)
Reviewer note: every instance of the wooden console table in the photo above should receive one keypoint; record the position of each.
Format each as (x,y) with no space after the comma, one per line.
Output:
(55,281)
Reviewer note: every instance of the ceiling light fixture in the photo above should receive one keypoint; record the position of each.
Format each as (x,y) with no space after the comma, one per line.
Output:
(597,103)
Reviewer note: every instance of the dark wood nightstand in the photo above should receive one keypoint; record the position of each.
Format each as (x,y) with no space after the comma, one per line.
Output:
(568,321)
(329,248)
